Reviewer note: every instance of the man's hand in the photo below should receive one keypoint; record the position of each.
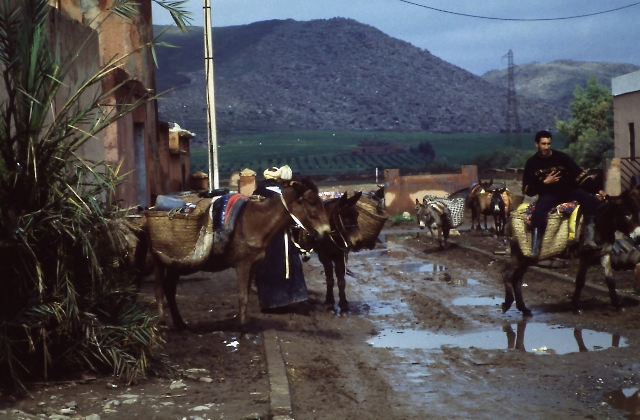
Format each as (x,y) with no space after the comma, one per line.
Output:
(601,196)
(552,178)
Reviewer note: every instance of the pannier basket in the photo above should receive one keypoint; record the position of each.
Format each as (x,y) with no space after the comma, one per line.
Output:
(555,239)
(371,220)
(176,234)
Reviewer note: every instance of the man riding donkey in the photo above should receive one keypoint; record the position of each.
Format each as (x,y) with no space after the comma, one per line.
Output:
(556,178)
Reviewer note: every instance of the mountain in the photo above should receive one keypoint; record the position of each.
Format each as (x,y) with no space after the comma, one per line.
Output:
(329,74)
(556,81)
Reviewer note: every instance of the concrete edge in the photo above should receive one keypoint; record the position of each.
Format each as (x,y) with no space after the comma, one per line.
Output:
(279,394)
(553,274)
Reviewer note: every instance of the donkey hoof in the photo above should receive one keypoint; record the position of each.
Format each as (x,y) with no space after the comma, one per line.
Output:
(526,313)
(505,307)
(344,306)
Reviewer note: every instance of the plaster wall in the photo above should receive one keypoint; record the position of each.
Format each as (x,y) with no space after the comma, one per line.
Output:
(626,111)
(400,192)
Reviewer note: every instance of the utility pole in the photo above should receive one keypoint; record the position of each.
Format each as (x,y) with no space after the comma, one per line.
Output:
(512,103)
(212,141)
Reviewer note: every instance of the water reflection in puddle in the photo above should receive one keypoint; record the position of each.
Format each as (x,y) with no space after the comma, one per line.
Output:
(416,267)
(540,338)
(626,399)
(477,301)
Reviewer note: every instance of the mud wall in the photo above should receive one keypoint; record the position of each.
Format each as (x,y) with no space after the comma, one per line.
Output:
(400,192)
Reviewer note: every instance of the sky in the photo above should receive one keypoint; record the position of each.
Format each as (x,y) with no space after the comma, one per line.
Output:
(474,44)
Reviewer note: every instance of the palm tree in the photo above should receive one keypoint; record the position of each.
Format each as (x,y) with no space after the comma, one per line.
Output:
(68,302)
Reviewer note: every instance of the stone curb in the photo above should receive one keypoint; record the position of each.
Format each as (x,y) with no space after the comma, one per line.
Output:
(548,272)
(279,395)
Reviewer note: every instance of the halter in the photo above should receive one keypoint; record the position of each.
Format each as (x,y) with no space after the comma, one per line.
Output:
(295,219)
(346,241)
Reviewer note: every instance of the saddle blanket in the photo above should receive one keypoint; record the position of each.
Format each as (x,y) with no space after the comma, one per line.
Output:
(226,210)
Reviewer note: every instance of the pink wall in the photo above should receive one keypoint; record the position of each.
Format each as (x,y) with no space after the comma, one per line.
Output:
(400,192)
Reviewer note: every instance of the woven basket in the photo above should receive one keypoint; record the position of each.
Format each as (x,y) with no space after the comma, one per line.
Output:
(371,220)
(176,235)
(556,235)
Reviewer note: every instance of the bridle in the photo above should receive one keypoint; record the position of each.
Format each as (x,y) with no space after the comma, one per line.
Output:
(340,232)
(297,221)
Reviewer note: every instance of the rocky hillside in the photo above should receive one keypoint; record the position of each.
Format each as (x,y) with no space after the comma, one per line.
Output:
(556,81)
(330,74)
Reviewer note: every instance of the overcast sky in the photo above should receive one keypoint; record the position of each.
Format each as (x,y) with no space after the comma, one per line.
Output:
(475,44)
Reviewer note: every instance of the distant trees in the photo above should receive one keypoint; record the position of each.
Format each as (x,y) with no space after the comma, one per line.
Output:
(589,132)
(425,148)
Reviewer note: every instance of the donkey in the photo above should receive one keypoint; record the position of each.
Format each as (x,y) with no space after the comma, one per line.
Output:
(616,213)
(498,210)
(256,226)
(477,201)
(333,249)
(432,214)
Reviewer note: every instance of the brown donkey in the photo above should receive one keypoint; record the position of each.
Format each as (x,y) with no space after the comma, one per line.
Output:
(333,249)
(256,226)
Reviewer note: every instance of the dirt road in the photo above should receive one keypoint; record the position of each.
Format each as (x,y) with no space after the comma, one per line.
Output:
(425,338)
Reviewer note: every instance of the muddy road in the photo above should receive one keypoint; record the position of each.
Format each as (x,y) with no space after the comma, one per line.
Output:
(425,338)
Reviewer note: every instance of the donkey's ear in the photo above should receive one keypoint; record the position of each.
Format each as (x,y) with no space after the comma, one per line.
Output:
(417,202)
(354,198)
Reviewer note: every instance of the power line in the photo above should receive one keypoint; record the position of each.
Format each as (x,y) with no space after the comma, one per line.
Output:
(519,19)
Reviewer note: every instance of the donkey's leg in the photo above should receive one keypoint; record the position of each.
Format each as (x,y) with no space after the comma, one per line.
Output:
(475,217)
(581,278)
(507,278)
(159,273)
(245,274)
(341,269)
(512,277)
(445,233)
(440,241)
(328,274)
(170,284)
(605,261)
(517,288)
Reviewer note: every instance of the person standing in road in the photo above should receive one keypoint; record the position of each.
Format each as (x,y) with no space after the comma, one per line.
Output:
(279,277)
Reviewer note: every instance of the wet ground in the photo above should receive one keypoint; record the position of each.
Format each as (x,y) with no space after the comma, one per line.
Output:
(425,337)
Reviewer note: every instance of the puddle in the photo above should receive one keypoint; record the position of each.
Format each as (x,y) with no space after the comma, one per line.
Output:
(393,253)
(376,308)
(626,399)
(477,301)
(539,338)
(417,267)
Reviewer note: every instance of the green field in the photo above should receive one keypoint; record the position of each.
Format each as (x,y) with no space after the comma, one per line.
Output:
(328,152)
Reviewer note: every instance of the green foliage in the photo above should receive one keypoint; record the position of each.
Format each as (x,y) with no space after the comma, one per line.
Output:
(401,218)
(589,133)
(298,148)
(502,159)
(67,301)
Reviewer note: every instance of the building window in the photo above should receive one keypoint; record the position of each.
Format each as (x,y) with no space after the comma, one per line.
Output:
(632,141)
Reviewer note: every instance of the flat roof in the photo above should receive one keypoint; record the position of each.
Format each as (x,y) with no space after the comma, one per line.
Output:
(626,83)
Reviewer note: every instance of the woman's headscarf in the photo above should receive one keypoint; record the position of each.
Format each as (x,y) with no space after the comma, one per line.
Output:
(272,173)
(286,173)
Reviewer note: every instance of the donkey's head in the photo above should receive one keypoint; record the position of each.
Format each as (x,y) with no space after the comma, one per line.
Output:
(625,210)
(306,207)
(496,202)
(425,214)
(343,217)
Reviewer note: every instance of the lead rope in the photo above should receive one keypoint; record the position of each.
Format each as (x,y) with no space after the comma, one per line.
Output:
(286,254)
